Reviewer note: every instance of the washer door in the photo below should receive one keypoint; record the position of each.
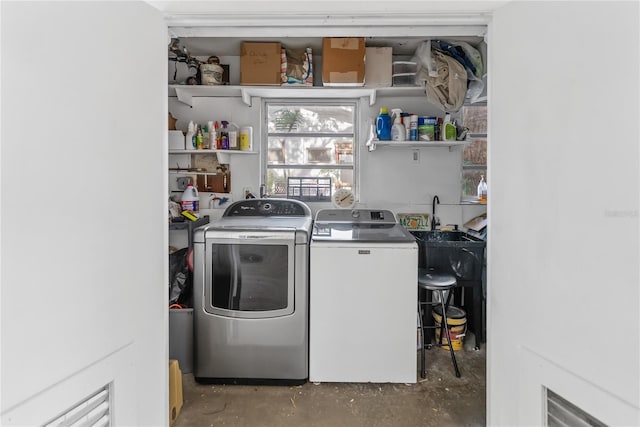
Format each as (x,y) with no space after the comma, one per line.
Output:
(250,274)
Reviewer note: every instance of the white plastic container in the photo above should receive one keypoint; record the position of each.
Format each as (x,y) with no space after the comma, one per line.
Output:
(246,138)
(189,140)
(234,135)
(190,200)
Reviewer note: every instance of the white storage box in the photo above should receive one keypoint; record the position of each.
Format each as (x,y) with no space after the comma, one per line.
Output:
(401,67)
(176,140)
(377,71)
(404,79)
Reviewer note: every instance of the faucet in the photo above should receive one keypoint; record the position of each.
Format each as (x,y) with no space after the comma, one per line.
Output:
(263,191)
(434,223)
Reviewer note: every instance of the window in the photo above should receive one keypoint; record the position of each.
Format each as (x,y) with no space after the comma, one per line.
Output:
(474,163)
(310,149)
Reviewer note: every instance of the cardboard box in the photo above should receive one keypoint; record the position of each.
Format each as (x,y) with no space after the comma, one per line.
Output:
(378,66)
(343,61)
(175,390)
(260,64)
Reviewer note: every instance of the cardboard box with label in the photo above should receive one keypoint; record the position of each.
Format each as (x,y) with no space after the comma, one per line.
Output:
(378,66)
(260,64)
(343,61)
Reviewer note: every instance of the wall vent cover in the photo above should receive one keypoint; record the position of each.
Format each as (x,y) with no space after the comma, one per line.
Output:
(93,411)
(562,413)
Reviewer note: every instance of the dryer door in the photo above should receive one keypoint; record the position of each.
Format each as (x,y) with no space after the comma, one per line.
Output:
(249,274)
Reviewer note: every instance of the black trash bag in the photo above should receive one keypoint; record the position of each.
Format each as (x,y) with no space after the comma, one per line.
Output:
(180,279)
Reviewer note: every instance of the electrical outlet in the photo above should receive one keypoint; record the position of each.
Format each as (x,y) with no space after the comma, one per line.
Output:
(183,182)
(415,156)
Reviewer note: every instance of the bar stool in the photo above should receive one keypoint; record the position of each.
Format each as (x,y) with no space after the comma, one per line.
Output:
(431,280)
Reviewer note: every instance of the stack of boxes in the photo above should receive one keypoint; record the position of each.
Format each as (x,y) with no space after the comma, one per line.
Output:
(346,62)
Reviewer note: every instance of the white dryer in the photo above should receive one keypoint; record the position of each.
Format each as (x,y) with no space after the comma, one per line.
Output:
(363,298)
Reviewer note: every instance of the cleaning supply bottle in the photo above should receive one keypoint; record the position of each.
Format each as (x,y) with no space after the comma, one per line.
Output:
(448,129)
(383,125)
(190,200)
(209,136)
(397,130)
(217,145)
(190,138)
(246,138)
(224,136)
(482,189)
(199,138)
(233,134)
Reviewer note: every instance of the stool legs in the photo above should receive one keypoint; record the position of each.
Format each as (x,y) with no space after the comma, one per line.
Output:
(446,327)
(423,373)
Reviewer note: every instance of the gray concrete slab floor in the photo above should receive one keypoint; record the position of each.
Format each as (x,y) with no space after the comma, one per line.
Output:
(439,400)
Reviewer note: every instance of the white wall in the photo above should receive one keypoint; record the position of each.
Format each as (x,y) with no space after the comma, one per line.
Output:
(388,177)
(563,246)
(84,267)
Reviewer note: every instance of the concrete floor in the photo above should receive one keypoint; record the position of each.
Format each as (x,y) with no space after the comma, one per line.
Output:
(439,400)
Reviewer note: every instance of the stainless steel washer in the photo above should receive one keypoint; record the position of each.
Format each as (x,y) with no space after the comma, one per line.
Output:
(251,278)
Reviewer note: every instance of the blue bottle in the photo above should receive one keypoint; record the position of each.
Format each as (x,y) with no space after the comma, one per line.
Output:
(383,125)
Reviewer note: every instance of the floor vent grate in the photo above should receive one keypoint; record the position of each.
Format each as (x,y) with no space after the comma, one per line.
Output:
(94,411)
(562,413)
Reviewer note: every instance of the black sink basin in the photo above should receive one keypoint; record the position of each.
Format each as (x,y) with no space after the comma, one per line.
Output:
(453,252)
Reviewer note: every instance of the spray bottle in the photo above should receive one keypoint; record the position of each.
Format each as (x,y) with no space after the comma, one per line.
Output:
(397,130)
(224,136)
(482,189)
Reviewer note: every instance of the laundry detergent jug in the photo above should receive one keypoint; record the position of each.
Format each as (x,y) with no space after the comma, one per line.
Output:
(190,200)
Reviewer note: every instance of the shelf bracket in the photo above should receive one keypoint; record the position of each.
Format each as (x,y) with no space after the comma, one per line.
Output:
(372,100)
(246,97)
(185,96)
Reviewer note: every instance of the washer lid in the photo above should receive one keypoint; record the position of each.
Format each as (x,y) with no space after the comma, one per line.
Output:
(374,233)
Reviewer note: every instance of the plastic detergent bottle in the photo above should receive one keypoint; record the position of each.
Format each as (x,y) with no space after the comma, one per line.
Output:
(482,189)
(383,125)
(233,134)
(397,130)
(448,129)
(190,200)
(190,138)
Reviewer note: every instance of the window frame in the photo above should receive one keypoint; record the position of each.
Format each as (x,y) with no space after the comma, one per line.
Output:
(264,138)
(473,136)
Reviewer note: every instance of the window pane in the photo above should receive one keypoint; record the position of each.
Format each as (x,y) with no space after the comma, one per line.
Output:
(470,181)
(476,152)
(277,180)
(475,118)
(310,118)
(309,150)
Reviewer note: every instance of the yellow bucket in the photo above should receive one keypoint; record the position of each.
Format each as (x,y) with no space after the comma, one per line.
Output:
(457,322)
